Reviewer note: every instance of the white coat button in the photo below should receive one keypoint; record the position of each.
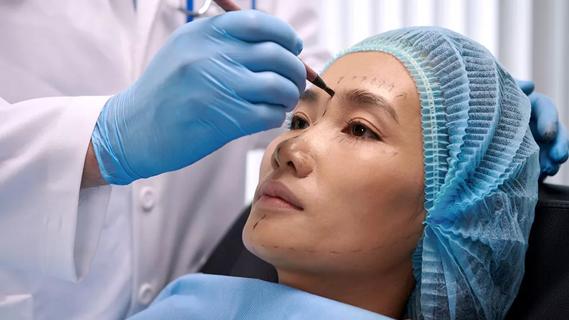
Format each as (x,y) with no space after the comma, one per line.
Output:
(147,198)
(145,293)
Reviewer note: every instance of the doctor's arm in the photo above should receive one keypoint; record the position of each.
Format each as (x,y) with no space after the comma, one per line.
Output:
(91,176)
(215,80)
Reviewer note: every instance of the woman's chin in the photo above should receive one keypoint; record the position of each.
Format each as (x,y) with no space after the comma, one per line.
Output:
(265,244)
(283,240)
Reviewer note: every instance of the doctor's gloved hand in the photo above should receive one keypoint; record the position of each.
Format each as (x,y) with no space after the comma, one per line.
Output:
(215,80)
(548,131)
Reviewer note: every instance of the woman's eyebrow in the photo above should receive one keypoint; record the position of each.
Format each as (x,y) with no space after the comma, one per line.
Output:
(364,97)
(309,96)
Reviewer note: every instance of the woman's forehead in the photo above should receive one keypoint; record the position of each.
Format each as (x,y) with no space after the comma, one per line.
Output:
(375,71)
(364,64)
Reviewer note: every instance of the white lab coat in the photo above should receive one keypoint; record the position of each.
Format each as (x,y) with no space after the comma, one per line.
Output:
(100,253)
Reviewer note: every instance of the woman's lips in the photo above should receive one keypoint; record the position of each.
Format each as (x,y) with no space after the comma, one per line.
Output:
(276,194)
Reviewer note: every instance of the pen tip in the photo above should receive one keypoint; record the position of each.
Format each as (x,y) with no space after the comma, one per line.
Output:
(322,85)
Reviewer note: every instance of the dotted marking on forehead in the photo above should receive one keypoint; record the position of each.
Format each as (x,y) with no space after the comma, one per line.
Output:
(389,86)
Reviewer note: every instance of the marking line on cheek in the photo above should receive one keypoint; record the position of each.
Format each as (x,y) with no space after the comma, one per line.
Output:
(377,247)
(256,223)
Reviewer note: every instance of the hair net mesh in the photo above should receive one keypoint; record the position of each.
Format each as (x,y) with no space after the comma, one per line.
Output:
(481,171)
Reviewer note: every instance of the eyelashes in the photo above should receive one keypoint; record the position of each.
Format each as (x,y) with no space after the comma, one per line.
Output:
(359,130)
(298,123)
(355,128)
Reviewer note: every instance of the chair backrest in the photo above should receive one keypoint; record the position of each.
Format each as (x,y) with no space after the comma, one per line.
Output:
(231,258)
(544,293)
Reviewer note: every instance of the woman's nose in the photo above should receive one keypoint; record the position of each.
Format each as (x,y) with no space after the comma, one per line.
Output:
(291,154)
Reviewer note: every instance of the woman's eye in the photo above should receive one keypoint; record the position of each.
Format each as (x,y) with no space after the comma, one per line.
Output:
(298,123)
(360,131)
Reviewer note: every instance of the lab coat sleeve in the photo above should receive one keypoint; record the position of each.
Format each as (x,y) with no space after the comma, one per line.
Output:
(47,223)
(306,18)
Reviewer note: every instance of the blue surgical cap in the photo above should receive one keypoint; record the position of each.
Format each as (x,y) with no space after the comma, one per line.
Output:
(481,171)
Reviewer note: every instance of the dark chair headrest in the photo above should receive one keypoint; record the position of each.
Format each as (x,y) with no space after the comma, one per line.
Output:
(544,293)
(231,258)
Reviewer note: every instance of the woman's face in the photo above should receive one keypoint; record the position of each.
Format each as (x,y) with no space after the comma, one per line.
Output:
(342,191)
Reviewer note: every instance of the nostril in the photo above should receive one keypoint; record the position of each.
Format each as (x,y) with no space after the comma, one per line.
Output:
(291,164)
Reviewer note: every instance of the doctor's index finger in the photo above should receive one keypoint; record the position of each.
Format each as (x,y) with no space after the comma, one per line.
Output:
(256,26)
(269,56)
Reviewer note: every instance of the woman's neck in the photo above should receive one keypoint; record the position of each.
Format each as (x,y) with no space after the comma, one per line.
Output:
(385,294)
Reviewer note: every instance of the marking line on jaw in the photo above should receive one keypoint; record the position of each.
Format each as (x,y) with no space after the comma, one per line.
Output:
(256,223)
(334,252)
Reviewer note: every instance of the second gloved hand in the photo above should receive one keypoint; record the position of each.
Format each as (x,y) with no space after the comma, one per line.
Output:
(550,133)
(215,80)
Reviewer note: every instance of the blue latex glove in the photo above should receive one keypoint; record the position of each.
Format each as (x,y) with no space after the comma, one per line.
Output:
(548,131)
(213,81)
